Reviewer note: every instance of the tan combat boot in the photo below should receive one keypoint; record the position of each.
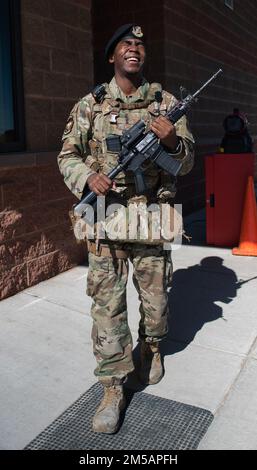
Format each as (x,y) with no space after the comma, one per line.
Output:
(151,368)
(107,415)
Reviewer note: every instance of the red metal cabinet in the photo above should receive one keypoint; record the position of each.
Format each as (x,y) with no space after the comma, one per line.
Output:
(226,179)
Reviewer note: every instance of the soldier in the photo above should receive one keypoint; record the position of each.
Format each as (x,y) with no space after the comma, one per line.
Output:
(84,162)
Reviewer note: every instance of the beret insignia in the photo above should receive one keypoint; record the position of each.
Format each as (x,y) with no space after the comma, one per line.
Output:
(129,30)
(137,31)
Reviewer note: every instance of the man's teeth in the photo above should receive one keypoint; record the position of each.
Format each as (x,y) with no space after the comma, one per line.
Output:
(133,59)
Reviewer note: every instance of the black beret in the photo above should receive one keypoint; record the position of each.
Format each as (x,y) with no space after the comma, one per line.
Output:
(126,30)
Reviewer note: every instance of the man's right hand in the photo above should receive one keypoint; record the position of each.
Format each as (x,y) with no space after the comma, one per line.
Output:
(99,184)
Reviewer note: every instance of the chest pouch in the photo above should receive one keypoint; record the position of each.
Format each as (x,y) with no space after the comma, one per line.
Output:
(113,143)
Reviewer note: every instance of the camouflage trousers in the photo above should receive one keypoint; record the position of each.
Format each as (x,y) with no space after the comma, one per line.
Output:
(106,284)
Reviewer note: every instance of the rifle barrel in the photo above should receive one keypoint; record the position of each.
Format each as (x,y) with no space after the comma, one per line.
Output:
(207,83)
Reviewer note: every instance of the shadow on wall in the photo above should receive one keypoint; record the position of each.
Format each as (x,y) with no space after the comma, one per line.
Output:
(192,300)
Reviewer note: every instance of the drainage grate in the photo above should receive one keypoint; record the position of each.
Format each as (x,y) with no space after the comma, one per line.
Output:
(150,422)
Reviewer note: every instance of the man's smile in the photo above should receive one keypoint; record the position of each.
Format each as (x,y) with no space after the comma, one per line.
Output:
(132,59)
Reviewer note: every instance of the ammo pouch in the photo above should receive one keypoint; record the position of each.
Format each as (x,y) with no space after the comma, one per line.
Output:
(113,143)
(77,228)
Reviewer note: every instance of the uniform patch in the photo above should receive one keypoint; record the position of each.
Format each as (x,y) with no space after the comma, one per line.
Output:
(113,117)
(69,125)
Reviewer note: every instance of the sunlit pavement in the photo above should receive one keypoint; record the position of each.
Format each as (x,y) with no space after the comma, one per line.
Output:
(210,355)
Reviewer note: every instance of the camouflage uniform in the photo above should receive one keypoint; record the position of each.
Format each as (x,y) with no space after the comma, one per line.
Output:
(84,152)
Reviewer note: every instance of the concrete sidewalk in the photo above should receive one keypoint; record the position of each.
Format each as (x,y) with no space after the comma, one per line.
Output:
(210,354)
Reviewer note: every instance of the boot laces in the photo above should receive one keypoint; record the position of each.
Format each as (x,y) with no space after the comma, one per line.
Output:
(112,394)
(151,348)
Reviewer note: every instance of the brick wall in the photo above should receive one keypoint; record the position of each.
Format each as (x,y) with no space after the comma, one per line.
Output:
(186,43)
(200,37)
(36,241)
(108,15)
(57,64)
(35,238)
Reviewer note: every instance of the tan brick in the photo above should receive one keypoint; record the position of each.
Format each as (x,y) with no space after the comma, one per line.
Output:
(57,238)
(17,223)
(16,251)
(84,3)
(42,268)
(54,84)
(13,280)
(52,185)
(84,19)
(33,82)
(65,12)
(1,199)
(55,213)
(9,221)
(71,255)
(78,87)
(79,40)
(54,132)
(62,109)
(36,57)
(86,66)
(22,188)
(55,34)
(36,135)
(38,109)
(40,7)
(65,61)
(53,263)
(32,29)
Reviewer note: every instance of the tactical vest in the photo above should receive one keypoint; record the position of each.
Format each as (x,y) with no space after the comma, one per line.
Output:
(111,116)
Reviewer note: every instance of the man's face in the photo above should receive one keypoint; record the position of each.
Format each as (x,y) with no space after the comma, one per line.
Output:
(128,56)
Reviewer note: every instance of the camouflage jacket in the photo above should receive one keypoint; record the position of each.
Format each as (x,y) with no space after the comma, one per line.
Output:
(84,150)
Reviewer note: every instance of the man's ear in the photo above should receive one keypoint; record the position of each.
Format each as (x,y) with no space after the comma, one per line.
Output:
(111,59)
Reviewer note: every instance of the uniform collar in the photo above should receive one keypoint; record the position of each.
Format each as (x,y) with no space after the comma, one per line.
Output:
(117,93)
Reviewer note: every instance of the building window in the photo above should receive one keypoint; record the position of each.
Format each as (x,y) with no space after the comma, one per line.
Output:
(229,4)
(11,90)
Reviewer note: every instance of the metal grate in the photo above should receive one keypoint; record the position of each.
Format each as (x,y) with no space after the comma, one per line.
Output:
(149,422)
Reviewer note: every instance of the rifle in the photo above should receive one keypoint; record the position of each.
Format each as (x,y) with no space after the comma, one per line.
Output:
(136,146)
(241,282)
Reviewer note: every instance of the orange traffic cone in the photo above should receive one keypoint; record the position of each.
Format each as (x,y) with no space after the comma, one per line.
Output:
(248,234)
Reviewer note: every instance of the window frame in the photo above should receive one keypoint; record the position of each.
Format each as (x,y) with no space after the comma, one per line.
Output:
(17,80)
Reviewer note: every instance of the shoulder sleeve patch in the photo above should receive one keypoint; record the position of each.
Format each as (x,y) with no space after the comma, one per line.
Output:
(69,125)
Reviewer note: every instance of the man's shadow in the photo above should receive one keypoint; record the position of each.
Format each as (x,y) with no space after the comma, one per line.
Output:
(192,302)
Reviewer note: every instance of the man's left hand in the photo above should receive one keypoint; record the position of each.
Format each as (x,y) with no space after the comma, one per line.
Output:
(165,131)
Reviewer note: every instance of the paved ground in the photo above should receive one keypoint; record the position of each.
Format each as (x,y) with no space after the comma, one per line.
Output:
(210,355)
